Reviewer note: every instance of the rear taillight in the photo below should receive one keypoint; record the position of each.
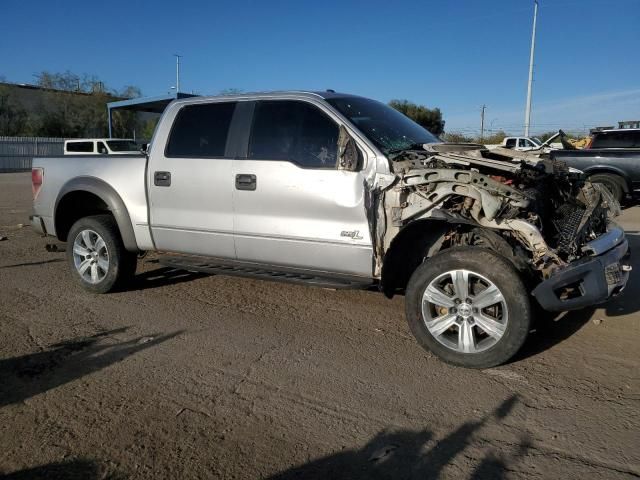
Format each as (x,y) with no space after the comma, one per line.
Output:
(37,177)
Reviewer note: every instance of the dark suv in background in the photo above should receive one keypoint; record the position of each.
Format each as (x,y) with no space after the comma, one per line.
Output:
(618,138)
(612,159)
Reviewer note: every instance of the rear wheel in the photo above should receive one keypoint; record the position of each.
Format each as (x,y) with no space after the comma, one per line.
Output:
(469,307)
(97,256)
(613,183)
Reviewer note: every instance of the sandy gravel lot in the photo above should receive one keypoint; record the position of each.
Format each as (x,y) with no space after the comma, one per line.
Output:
(190,376)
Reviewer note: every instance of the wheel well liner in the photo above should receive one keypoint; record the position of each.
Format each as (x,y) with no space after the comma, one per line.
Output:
(83,196)
(407,251)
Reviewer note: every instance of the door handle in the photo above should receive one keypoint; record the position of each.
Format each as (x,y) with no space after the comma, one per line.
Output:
(162,179)
(246,181)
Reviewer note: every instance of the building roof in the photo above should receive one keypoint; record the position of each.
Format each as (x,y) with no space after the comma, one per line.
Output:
(148,104)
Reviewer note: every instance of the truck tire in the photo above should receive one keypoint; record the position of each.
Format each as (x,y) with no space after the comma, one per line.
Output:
(469,307)
(97,256)
(612,182)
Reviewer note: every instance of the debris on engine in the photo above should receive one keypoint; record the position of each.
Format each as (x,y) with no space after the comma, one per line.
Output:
(539,206)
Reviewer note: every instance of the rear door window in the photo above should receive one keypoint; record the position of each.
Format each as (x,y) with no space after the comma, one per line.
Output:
(200,131)
(80,147)
(511,142)
(297,132)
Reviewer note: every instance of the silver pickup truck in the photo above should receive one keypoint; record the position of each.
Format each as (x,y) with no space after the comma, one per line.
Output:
(340,191)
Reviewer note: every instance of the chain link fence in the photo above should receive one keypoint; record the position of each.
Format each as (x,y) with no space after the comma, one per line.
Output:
(16,153)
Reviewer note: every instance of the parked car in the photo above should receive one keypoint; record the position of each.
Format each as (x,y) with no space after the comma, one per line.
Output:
(612,159)
(340,191)
(102,146)
(527,144)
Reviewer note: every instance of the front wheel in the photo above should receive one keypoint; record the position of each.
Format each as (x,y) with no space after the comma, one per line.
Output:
(97,256)
(469,307)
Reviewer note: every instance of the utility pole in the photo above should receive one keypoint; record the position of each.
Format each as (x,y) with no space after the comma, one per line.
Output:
(178,57)
(527,115)
(482,123)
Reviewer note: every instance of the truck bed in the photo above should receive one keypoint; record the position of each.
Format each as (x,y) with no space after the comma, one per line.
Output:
(124,173)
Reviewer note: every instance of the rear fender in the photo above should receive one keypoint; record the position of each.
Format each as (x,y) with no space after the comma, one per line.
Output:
(110,197)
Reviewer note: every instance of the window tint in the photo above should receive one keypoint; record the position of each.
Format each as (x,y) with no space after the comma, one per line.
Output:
(511,142)
(83,147)
(522,143)
(200,130)
(123,146)
(294,131)
(102,148)
(629,139)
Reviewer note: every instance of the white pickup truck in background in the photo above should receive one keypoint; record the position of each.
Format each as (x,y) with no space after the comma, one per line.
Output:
(101,146)
(525,144)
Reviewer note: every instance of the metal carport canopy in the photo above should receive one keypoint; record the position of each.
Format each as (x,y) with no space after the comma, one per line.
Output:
(143,104)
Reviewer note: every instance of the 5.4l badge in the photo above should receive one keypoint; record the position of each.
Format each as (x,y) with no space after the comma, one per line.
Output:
(354,234)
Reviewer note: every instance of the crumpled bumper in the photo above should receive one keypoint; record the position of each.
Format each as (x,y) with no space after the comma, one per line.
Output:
(590,280)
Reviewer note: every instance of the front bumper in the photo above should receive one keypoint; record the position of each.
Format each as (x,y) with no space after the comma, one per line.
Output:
(590,280)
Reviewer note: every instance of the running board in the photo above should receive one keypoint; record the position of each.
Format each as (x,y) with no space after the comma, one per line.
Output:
(218,266)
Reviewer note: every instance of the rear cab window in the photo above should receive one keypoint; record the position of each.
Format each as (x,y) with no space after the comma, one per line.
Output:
(80,147)
(201,131)
(293,131)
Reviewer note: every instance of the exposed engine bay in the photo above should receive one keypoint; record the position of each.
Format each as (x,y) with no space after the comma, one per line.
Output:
(544,210)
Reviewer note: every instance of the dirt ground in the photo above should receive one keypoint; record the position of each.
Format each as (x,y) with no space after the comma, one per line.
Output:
(190,376)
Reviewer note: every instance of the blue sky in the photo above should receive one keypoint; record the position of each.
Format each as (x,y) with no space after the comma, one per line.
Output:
(456,55)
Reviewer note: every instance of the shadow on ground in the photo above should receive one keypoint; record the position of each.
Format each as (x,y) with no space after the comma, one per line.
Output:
(628,301)
(24,377)
(29,264)
(552,329)
(161,277)
(405,454)
(70,470)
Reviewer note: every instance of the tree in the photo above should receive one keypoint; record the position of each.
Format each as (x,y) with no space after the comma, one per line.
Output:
(494,138)
(13,118)
(429,118)
(76,106)
(456,137)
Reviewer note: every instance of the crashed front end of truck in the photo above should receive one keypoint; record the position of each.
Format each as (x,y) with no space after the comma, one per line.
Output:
(556,229)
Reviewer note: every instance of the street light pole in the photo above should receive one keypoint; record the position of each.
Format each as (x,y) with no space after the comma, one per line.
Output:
(482,123)
(177,72)
(527,115)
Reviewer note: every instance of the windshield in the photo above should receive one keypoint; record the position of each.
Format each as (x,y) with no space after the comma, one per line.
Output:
(536,140)
(387,128)
(123,146)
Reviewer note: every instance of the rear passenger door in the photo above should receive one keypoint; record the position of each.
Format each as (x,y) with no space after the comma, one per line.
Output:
(190,182)
(293,207)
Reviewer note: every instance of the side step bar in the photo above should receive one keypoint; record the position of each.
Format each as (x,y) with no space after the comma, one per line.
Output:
(218,266)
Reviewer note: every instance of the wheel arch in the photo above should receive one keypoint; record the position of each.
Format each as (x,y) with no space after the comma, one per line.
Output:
(424,238)
(83,196)
(408,249)
(610,170)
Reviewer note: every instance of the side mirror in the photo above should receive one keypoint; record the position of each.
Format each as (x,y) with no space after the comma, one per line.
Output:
(349,157)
